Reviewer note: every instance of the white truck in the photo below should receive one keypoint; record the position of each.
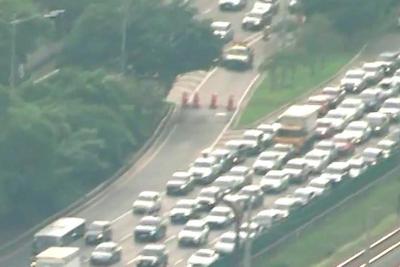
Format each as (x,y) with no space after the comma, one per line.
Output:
(58,257)
(297,125)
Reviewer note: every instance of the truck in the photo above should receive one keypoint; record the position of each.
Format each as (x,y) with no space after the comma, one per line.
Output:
(58,257)
(297,125)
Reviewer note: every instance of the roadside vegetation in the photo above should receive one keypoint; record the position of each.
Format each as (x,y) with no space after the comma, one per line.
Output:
(343,232)
(311,53)
(64,135)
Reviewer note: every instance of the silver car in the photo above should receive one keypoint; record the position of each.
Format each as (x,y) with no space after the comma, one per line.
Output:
(194,233)
(106,253)
(148,202)
(317,159)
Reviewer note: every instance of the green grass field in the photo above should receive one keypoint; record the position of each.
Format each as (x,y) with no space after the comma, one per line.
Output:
(266,99)
(343,232)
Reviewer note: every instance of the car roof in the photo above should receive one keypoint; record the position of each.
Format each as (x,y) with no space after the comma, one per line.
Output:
(338,164)
(320,97)
(319,180)
(332,89)
(185,201)
(325,142)
(372,64)
(393,100)
(208,159)
(250,188)
(148,194)
(286,200)
(358,123)
(107,245)
(376,115)
(275,173)
(181,174)
(150,219)
(221,209)
(268,212)
(240,168)
(318,152)
(305,189)
(355,71)
(212,189)
(155,247)
(101,223)
(374,150)
(253,132)
(220,24)
(297,161)
(196,223)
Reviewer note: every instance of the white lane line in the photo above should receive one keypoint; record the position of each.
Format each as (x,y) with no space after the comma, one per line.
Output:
(383,253)
(131,261)
(221,114)
(214,240)
(209,74)
(206,11)
(252,42)
(236,111)
(178,261)
(165,214)
(351,259)
(251,37)
(121,216)
(169,239)
(125,238)
(383,239)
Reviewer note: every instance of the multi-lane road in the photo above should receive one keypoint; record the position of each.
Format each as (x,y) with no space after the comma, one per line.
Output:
(188,132)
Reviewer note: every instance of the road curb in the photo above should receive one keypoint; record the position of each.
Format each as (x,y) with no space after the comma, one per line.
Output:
(88,198)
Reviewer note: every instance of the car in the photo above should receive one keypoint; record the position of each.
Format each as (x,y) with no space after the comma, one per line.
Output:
(320,185)
(254,193)
(195,233)
(275,4)
(337,94)
(268,129)
(336,171)
(242,171)
(220,217)
(353,104)
(181,183)
(372,98)
(288,204)
(372,155)
(327,127)
(294,6)
(390,86)
(360,131)
(340,114)
(375,71)
(379,122)
(322,101)
(150,228)
(357,166)
(203,258)
(298,170)
(256,19)
(394,135)
(153,255)
(251,229)
(354,80)
(205,169)
(344,142)
(228,184)
(266,161)
(317,159)
(98,232)
(388,146)
(223,30)
(231,5)
(275,181)
(227,158)
(268,217)
(392,61)
(263,140)
(106,253)
(148,202)
(327,145)
(242,150)
(286,151)
(225,244)
(306,194)
(208,197)
(184,210)
(238,57)
(391,107)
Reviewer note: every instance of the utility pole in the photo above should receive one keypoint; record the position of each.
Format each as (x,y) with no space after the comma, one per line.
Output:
(249,238)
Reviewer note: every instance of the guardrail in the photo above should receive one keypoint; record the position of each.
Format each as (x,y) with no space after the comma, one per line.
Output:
(316,209)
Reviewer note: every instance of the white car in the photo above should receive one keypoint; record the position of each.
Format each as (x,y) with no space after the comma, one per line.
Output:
(288,204)
(254,194)
(355,104)
(327,145)
(336,171)
(208,197)
(226,242)
(275,181)
(298,170)
(268,217)
(256,19)
(306,194)
(354,80)
(374,71)
(357,166)
(268,129)
(148,202)
(391,107)
(390,86)
(220,217)
(388,146)
(106,253)
(317,159)
(257,136)
(359,130)
(194,233)
(228,183)
(184,210)
(226,5)
(379,122)
(266,161)
(285,150)
(372,155)
(180,184)
(203,258)
(372,98)
(242,171)
(342,114)
(344,142)
(326,127)
(320,185)
(205,169)
(223,30)
(337,94)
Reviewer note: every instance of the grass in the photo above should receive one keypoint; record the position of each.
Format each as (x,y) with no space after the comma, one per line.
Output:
(342,233)
(266,99)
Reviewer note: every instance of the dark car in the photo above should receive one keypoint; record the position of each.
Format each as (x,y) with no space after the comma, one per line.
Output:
(97,232)
(150,228)
(154,255)
(181,183)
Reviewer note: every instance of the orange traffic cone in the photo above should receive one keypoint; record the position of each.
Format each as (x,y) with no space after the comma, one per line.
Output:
(185,99)
(231,103)
(196,101)
(214,101)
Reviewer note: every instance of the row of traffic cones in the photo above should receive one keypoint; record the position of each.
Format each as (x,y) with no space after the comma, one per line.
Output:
(195,103)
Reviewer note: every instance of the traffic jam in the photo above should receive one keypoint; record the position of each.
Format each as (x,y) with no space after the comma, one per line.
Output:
(279,166)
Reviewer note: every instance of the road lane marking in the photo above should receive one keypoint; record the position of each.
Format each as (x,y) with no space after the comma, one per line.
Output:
(383,253)
(221,114)
(121,216)
(206,11)
(252,42)
(251,37)
(214,240)
(169,239)
(178,261)
(209,74)
(132,261)
(125,238)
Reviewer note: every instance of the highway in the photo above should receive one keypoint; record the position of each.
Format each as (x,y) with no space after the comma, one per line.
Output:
(189,132)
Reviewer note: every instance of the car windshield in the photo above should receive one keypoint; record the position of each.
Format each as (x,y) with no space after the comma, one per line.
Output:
(238,51)
(149,252)
(375,120)
(203,164)
(220,27)
(371,68)
(349,105)
(323,124)
(385,145)
(228,239)
(334,170)
(250,137)
(324,146)
(335,115)
(268,157)
(254,15)
(203,253)
(193,228)
(103,249)
(370,154)
(317,184)
(356,164)
(223,183)
(207,194)
(294,165)
(290,133)
(314,157)
(145,198)
(222,213)
(149,222)
(237,173)
(355,76)
(356,128)
(183,205)
(95,227)
(342,139)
